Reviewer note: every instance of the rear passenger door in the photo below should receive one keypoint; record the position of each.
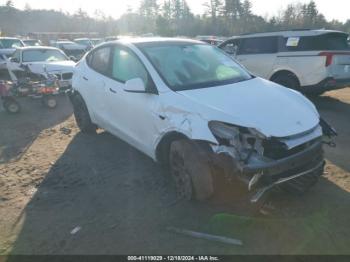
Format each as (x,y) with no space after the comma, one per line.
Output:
(258,54)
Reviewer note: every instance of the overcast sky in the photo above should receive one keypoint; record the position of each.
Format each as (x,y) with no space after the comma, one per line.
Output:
(332,9)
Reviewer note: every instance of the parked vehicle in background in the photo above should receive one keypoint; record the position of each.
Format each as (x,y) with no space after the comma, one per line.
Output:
(71,49)
(8,45)
(42,61)
(84,42)
(311,61)
(212,40)
(32,42)
(96,41)
(111,38)
(190,106)
(3,59)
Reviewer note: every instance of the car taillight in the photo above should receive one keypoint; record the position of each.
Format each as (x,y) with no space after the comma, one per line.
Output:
(329,57)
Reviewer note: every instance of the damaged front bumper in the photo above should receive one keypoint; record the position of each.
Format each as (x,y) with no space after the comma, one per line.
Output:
(261,191)
(261,175)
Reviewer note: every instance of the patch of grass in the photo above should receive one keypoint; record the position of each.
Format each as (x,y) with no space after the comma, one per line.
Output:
(315,234)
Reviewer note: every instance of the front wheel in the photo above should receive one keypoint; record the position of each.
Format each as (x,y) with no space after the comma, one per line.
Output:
(11,106)
(191,170)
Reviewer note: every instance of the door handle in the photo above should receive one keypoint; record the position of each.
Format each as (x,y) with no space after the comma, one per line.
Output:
(85,78)
(113,91)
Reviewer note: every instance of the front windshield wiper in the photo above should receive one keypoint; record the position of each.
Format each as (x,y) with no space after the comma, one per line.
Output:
(210,84)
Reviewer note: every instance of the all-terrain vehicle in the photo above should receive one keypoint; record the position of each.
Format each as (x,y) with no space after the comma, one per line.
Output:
(10,93)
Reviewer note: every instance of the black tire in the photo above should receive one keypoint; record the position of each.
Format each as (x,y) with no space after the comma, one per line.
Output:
(191,170)
(287,80)
(12,106)
(82,116)
(302,185)
(49,102)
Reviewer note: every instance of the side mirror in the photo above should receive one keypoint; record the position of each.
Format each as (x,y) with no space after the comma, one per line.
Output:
(135,85)
(14,60)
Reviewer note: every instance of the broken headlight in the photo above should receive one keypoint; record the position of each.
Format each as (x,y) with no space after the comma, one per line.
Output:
(245,141)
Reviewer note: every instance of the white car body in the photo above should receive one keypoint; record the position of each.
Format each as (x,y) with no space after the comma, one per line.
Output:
(62,69)
(8,51)
(144,120)
(298,53)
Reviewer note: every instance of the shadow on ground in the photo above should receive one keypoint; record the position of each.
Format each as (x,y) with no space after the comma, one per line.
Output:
(120,202)
(22,129)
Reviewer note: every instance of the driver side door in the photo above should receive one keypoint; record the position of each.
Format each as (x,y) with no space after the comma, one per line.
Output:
(130,114)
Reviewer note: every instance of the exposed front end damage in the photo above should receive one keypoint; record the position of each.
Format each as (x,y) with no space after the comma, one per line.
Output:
(265,162)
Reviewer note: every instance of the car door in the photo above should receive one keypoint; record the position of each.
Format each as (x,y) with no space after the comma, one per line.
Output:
(130,114)
(258,54)
(94,78)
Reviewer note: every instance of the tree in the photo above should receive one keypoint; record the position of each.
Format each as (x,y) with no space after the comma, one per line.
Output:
(214,8)
(27,7)
(149,8)
(10,4)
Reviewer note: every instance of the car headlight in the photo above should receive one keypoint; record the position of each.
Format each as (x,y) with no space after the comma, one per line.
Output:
(243,139)
(224,131)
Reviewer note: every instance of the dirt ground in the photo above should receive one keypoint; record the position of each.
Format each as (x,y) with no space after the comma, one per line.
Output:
(62,192)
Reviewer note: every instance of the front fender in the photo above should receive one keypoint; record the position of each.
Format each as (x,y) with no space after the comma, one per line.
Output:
(190,126)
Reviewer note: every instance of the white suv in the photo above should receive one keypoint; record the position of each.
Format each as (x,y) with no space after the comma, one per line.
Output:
(190,106)
(311,61)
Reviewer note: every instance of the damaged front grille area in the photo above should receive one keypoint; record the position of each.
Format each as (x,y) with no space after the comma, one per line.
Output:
(64,76)
(275,149)
(67,76)
(279,148)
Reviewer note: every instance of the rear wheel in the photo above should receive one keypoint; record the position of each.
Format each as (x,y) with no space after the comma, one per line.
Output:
(287,80)
(191,170)
(49,101)
(12,106)
(82,116)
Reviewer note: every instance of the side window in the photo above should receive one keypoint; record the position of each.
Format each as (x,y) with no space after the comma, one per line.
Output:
(231,47)
(99,60)
(126,66)
(258,45)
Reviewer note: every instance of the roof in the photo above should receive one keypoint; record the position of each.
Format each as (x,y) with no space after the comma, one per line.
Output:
(291,33)
(144,40)
(11,38)
(37,48)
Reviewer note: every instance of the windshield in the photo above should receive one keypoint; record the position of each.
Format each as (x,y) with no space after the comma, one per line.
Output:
(190,66)
(31,42)
(83,42)
(42,55)
(10,43)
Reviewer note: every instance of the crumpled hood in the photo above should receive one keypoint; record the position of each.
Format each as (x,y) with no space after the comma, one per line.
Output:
(59,66)
(274,110)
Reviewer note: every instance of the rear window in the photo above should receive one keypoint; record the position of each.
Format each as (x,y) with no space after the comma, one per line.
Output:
(258,45)
(331,41)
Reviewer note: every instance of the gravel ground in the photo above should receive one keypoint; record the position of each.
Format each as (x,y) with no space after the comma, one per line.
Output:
(63,192)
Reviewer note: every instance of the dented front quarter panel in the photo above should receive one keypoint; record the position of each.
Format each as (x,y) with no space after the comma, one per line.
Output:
(177,116)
